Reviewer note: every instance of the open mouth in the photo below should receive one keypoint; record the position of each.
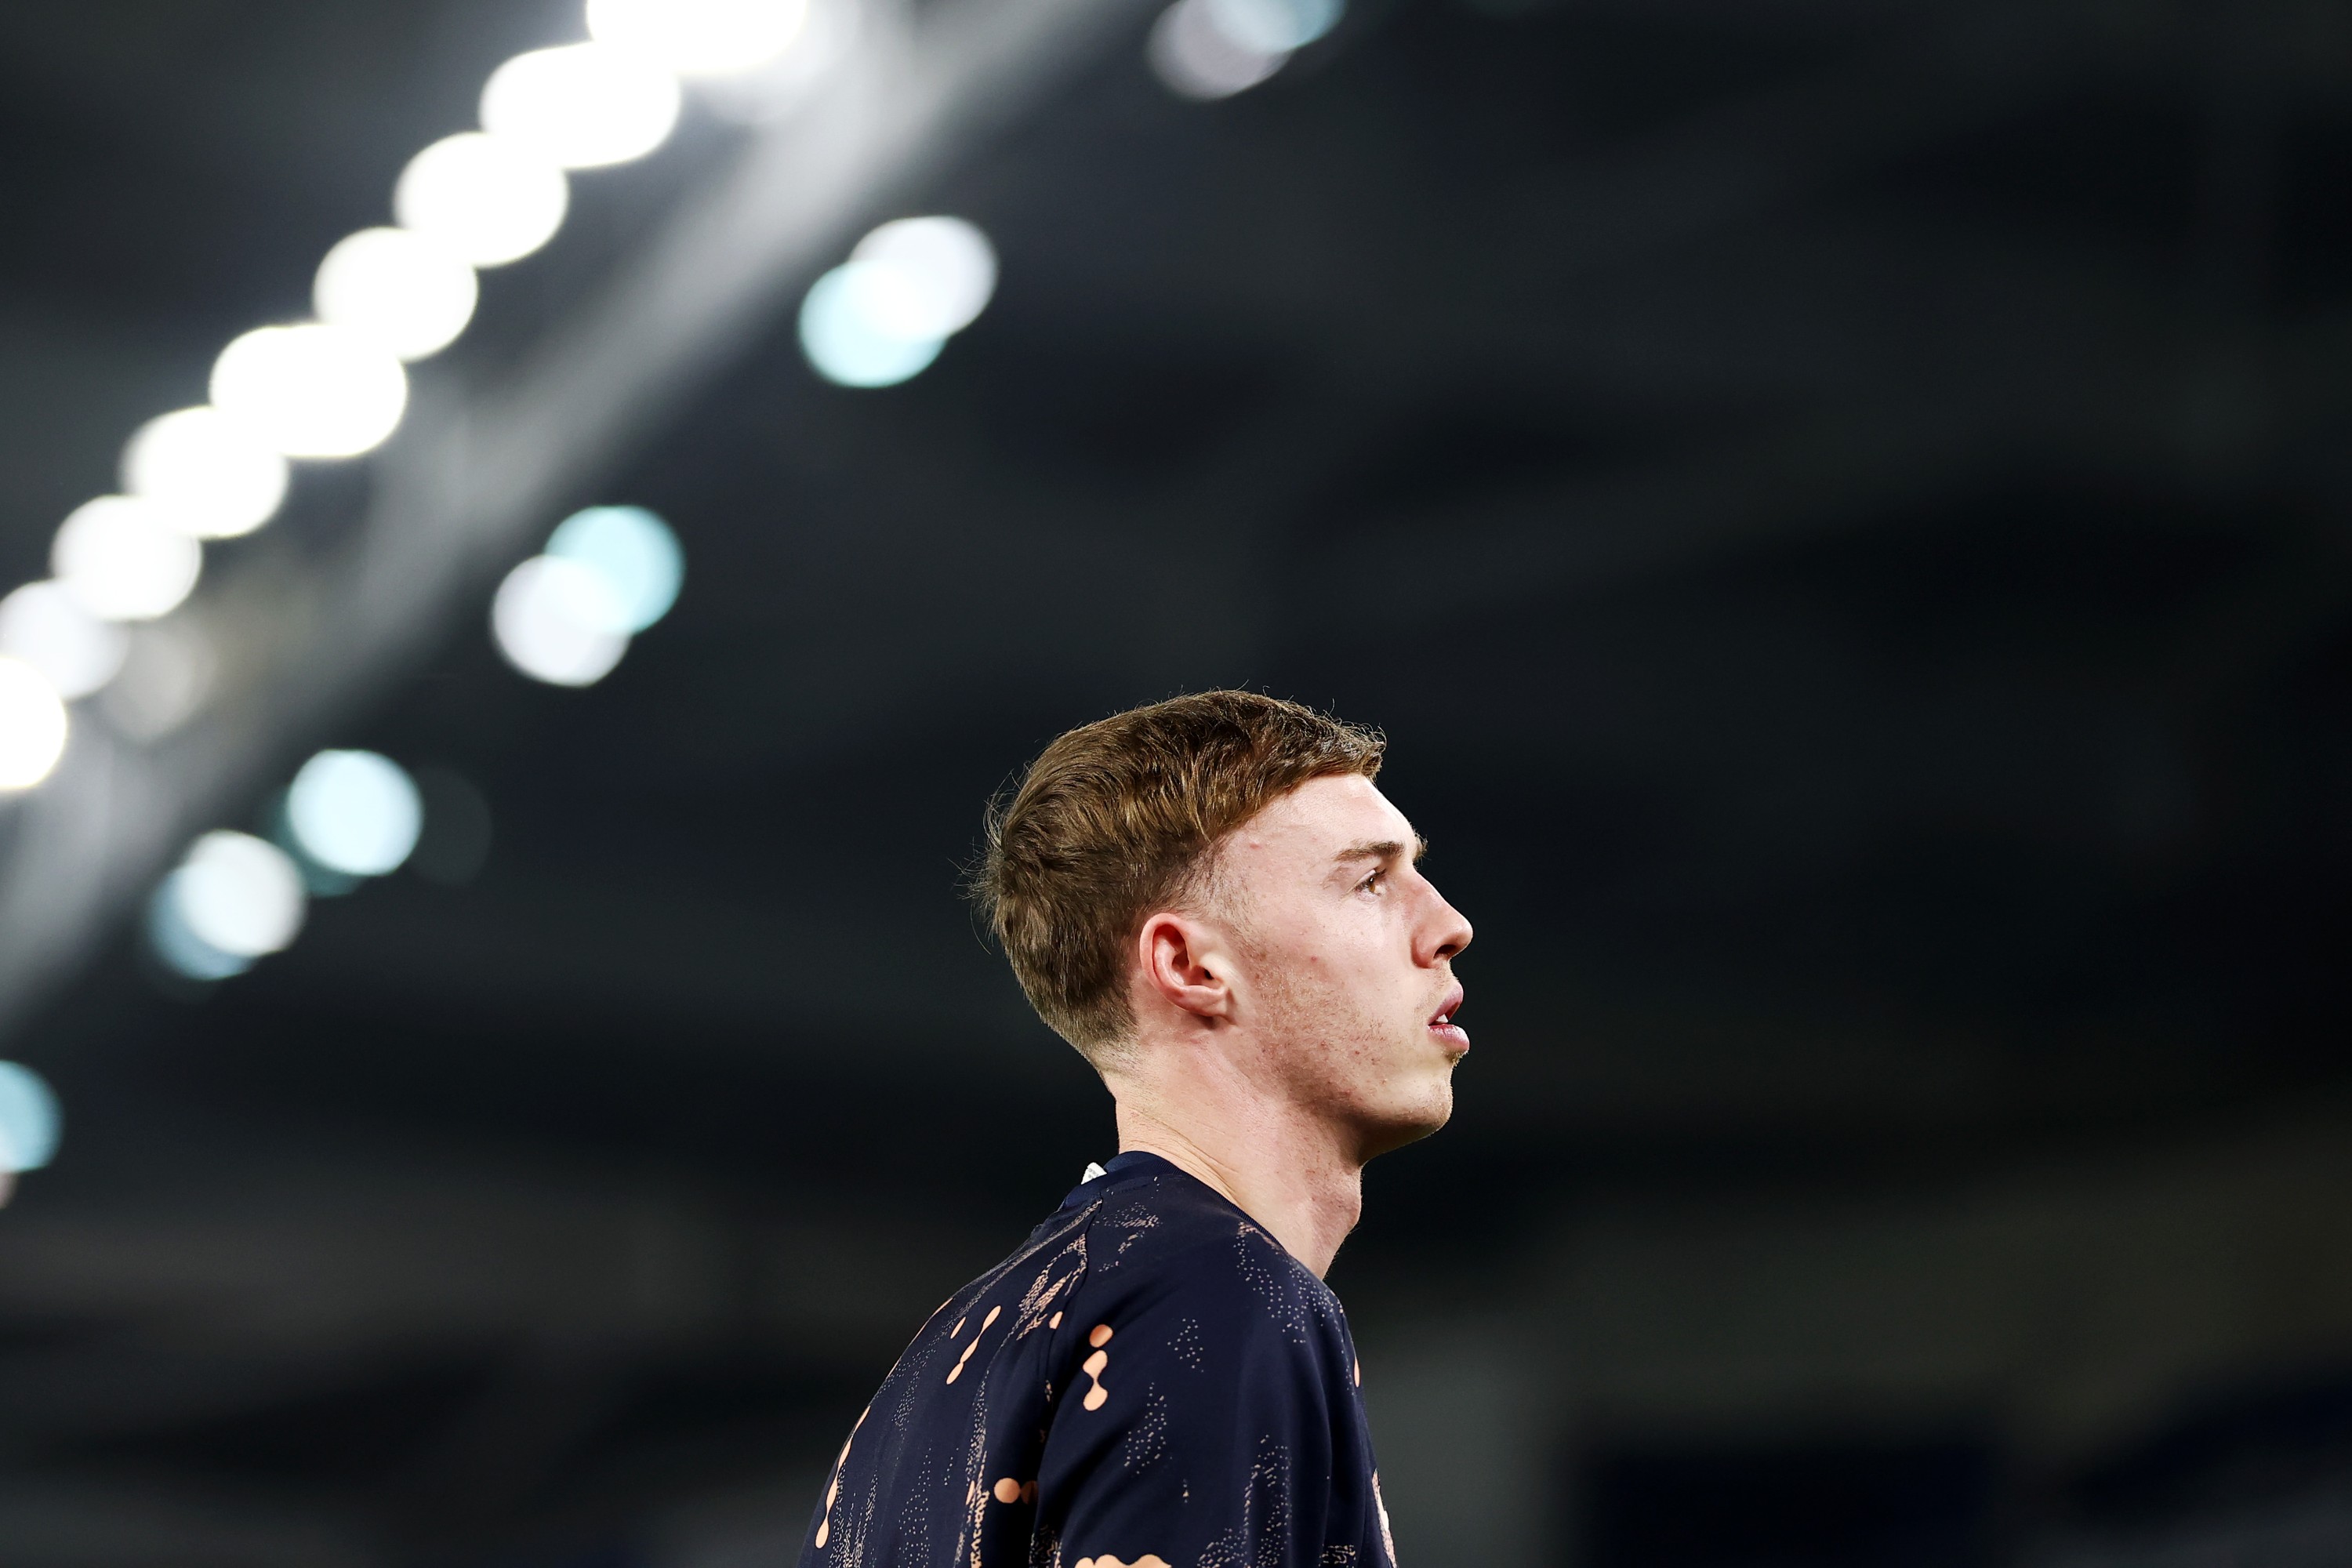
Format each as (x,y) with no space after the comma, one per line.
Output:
(1441,1024)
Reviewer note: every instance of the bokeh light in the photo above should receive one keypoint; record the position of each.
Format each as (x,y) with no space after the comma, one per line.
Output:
(582,106)
(121,560)
(217,478)
(29,1120)
(636,553)
(409,294)
(1196,58)
(764,95)
(947,271)
(183,952)
(558,621)
(33,725)
(1272,26)
(239,895)
(847,325)
(311,391)
(46,626)
(699,38)
(354,812)
(488,200)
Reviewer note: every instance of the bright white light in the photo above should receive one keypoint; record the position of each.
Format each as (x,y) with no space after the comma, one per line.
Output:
(485,199)
(699,38)
(411,295)
(559,621)
(1198,59)
(28,1120)
(182,951)
(32,725)
(122,561)
(238,894)
(582,106)
(636,553)
(1273,26)
(949,270)
(847,326)
(311,391)
(354,812)
(218,478)
(44,625)
(763,96)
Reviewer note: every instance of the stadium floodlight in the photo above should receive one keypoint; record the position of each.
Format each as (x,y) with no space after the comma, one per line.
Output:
(699,38)
(851,326)
(354,812)
(559,621)
(636,553)
(1196,56)
(121,559)
(29,1120)
(487,198)
(217,478)
(237,894)
(409,293)
(33,725)
(582,106)
(948,272)
(43,624)
(311,391)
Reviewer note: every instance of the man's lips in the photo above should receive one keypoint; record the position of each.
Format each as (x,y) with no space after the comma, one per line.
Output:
(1441,1024)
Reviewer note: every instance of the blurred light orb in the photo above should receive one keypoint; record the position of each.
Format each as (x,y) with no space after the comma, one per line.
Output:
(949,271)
(32,725)
(354,812)
(29,1120)
(1193,54)
(699,38)
(636,553)
(488,200)
(1273,26)
(218,479)
(582,106)
(311,391)
(850,321)
(410,295)
(559,621)
(239,895)
(44,625)
(121,559)
(762,96)
(180,949)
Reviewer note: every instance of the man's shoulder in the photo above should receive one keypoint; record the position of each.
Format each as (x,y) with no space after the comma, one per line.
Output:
(1166,1242)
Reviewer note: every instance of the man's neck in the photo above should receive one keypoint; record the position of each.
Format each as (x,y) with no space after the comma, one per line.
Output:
(1282,1168)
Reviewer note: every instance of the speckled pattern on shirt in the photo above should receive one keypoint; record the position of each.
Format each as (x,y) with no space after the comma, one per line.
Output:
(1150,1382)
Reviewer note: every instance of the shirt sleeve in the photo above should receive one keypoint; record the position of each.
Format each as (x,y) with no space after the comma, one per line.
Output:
(1197,1429)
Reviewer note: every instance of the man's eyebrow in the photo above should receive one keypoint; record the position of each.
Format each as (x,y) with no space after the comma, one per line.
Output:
(1383,849)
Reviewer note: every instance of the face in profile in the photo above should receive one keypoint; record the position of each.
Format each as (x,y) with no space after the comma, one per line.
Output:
(1344,956)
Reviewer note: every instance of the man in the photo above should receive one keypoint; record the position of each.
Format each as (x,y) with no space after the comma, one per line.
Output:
(1211,901)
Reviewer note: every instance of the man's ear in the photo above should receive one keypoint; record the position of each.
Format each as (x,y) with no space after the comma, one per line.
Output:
(1184,965)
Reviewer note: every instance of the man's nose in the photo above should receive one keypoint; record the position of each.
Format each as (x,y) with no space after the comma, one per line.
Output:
(1446,933)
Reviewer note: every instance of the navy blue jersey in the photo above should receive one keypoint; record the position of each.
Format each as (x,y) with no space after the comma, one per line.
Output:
(1150,1381)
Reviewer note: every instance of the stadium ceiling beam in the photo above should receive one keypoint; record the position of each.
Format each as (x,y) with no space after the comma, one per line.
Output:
(476,475)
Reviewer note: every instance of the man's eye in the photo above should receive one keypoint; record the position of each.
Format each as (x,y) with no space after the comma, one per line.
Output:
(1368,883)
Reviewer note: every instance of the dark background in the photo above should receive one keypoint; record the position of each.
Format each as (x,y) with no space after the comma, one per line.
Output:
(1839,511)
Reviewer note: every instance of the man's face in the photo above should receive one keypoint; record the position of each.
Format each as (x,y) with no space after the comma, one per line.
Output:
(1345,954)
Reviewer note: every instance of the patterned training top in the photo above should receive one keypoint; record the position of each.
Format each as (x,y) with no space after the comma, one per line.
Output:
(1150,1381)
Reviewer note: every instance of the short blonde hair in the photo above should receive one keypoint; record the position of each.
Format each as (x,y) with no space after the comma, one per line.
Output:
(1119,818)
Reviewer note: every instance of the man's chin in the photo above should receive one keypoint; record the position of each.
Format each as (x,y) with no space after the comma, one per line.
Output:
(1411,1124)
